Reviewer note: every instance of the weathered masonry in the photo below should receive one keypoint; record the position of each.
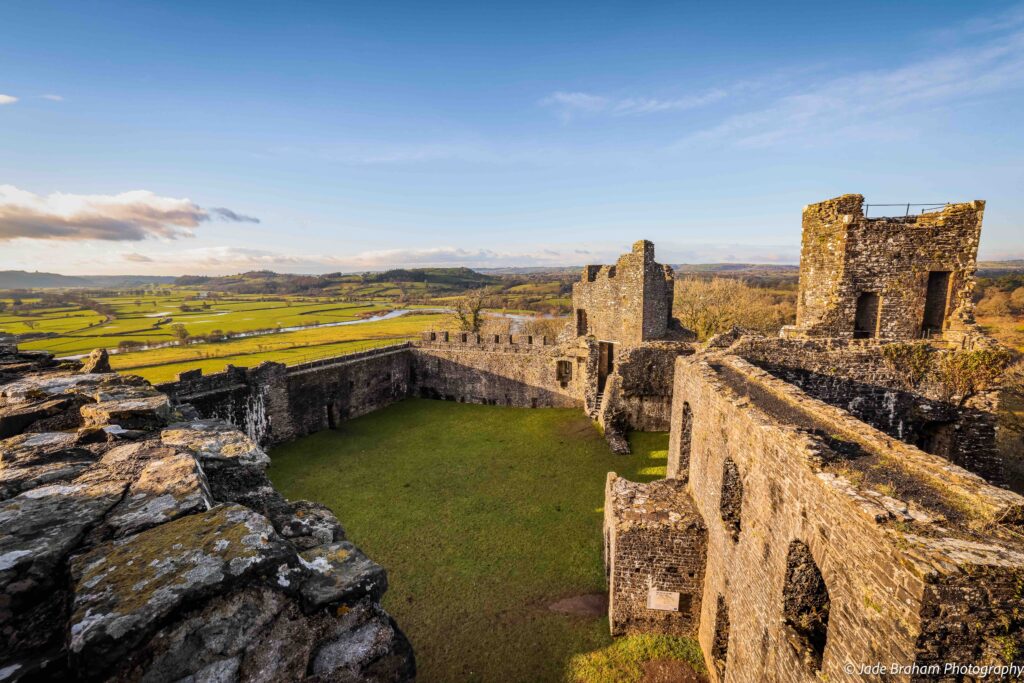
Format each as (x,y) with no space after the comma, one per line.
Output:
(140,542)
(830,493)
(890,278)
(831,499)
(823,534)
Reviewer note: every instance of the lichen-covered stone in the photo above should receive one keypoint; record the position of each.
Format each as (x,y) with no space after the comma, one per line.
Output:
(146,412)
(282,651)
(35,470)
(42,386)
(364,645)
(38,530)
(340,574)
(114,567)
(166,488)
(26,450)
(40,526)
(19,417)
(124,589)
(221,631)
(97,361)
(309,524)
(215,443)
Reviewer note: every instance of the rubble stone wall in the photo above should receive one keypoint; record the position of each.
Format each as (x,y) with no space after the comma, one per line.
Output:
(889,565)
(854,375)
(655,551)
(273,403)
(627,303)
(844,254)
(520,371)
(645,392)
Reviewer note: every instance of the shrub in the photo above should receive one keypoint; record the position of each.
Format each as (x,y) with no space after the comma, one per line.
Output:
(710,307)
(912,361)
(963,374)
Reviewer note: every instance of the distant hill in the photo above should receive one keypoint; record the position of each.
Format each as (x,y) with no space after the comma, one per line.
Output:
(531,270)
(998,268)
(738,268)
(22,279)
(461,277)
(268,282)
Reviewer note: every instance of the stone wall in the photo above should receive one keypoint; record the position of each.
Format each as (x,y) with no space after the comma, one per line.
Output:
(844,255)
(139,542)
(855,375)
(645,392)
(627,303)
(323,394)
(895,534)
(518,371)
(273,403)
(655,551)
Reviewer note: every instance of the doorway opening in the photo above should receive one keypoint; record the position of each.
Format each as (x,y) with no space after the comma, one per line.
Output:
(865,321)
(935,303)
(605,364)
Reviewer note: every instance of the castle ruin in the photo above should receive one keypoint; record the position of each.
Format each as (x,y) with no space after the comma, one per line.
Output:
(828,504)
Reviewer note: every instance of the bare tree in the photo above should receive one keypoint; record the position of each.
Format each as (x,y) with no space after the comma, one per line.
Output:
(468,310)
(496,324)
(544,326)
(710,307)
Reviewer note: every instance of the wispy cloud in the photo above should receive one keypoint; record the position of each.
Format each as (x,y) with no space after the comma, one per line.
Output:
(870,104)
(52,98)
(7,99)
(137,258)
(571,104)
(129,216)
(229,215)
(454,256)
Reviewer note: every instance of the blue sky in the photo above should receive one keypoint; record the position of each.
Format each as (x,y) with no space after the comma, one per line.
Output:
(209,137)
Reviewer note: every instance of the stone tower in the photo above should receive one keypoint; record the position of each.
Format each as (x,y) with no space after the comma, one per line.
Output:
(628,303)
(896,278)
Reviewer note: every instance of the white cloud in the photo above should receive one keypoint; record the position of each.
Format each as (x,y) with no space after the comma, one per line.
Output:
(7,99)
(128,216)
(52,98)
(653,105)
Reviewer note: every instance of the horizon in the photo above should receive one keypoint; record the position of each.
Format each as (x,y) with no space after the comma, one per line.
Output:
(206,140)
(479,269)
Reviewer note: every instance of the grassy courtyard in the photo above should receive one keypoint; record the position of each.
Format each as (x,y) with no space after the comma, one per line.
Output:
(484,516)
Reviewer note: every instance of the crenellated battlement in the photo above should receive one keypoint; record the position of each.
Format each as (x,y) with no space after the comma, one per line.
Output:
(460,338)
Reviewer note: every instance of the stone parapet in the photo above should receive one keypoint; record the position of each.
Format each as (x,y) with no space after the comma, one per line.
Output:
(138,542)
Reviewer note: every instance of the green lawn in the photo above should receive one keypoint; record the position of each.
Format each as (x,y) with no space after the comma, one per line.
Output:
(483,516)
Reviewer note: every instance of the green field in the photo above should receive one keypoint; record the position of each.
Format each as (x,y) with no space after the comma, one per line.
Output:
(484,516)
(159,331)
(151,319)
